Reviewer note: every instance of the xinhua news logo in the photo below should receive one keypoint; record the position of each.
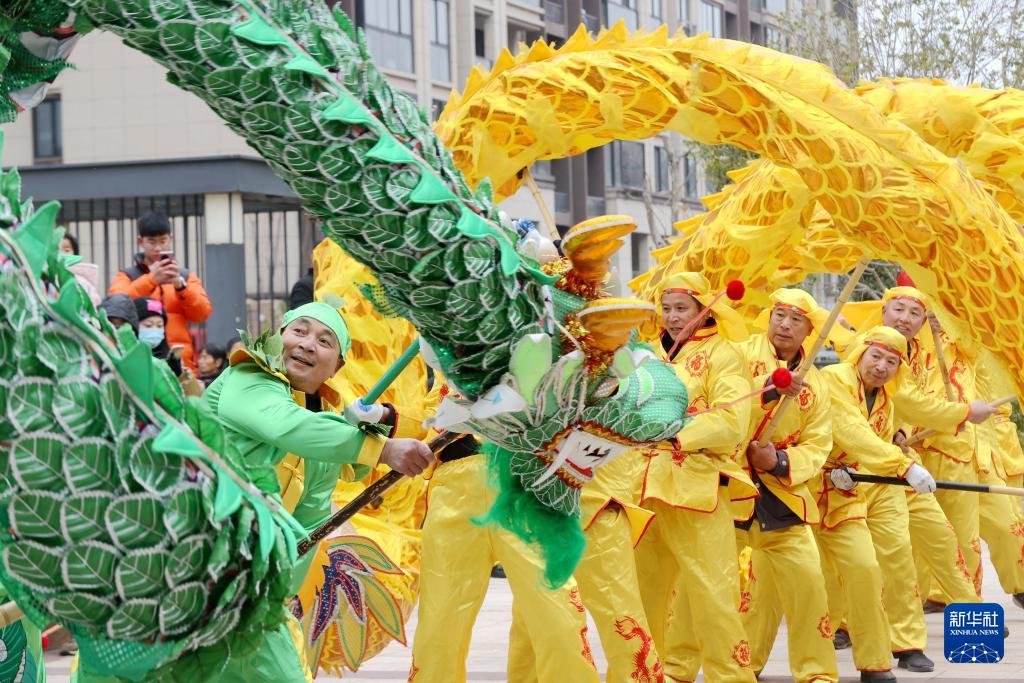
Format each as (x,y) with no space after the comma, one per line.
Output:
(973,633)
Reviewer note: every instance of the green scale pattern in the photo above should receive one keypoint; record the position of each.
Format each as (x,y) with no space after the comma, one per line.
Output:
(115,520)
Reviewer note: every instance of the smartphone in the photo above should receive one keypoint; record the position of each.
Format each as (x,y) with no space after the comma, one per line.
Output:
(166,255)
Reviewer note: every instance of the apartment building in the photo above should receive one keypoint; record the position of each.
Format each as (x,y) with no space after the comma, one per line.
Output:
(114,139)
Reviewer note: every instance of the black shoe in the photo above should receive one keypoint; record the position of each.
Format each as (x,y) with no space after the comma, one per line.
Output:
(914,660)
(841,640)
(877,676)
(1018,599)
(497,572)
(934,607)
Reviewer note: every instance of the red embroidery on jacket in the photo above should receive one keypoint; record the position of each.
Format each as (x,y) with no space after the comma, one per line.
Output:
(741,654)
(629,628)
(697,364)
(806,399)
(574,599)
(825,627)
(587,654)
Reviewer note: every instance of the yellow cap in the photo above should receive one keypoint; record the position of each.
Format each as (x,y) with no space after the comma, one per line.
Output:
(730,323)
(803,303)
(885,338)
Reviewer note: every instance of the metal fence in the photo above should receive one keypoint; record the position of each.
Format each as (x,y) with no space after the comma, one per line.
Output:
(279,238)
(107,233)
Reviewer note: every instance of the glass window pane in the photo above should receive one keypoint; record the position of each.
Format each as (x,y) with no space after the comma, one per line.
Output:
(710,19)
(440,63)
(390,50)
(631,166)
(775,6)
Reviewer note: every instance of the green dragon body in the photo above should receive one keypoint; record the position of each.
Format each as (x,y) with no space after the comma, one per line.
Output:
(297,83)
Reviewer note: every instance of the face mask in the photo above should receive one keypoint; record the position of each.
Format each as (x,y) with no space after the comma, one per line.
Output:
(151,336)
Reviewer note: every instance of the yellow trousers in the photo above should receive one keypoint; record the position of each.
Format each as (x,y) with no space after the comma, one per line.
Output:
(855,593)
(456,565)
(785,579)
(889,522)
(611,593)
(935,543)
(690,589)
(962,509)
(1002,528)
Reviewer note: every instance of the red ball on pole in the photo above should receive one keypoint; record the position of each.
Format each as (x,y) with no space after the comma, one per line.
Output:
(782,378)
(735,290)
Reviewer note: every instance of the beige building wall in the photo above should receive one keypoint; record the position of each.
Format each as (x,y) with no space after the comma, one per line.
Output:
(118,106)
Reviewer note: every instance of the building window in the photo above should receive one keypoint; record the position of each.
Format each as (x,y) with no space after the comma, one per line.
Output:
(614,10)
(436,107)
(46,136)
(624,164)
(388,28)
(710,18)
(656,9)
(661,177)
(640,252)
(772,36)
(690,177)
(775,6)
(440,42)
(683,12)
(480,42)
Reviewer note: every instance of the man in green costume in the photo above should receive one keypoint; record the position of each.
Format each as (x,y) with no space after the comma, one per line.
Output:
(269,404)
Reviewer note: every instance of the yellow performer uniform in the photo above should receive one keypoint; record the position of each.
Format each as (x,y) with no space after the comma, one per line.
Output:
(1002,520)
(968,457)
(784,554)
(890,514)
(687,560)
(861,434)
(930,532)
(607,579)
(454,573)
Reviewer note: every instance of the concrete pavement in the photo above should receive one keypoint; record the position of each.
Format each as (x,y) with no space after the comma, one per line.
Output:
(487,654)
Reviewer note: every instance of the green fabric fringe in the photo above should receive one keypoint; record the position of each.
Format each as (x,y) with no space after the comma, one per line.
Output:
(558,537)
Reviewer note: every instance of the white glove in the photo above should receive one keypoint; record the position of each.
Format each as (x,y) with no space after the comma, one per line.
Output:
(357,413)
(920,479)
(841,479)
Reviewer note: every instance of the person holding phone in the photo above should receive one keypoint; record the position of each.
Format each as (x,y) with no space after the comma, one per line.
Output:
(157,274)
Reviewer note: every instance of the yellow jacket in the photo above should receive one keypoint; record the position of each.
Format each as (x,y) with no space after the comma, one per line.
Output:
(860,439)
(964,447)
(805,432)
(687,476)
(998,437)
(617,483)
(918,406)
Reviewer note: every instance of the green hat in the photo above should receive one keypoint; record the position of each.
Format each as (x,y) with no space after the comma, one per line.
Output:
(325,313)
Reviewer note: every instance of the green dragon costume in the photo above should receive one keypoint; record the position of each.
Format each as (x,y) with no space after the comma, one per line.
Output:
(161,551)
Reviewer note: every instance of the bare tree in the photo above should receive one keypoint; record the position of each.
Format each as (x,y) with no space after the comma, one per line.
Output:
(662,233)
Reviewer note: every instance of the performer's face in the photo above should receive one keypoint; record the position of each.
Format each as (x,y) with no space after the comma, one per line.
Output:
(677,309)
(877,366)
(311,354)
(787,330)
(906,317)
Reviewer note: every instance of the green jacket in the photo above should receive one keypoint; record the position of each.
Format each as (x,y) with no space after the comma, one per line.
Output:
(263,423)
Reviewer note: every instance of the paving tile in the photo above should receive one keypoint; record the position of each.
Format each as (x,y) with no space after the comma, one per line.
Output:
(487,654)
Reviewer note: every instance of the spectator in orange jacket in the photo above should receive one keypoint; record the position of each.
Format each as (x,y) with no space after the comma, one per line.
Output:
(156,274)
